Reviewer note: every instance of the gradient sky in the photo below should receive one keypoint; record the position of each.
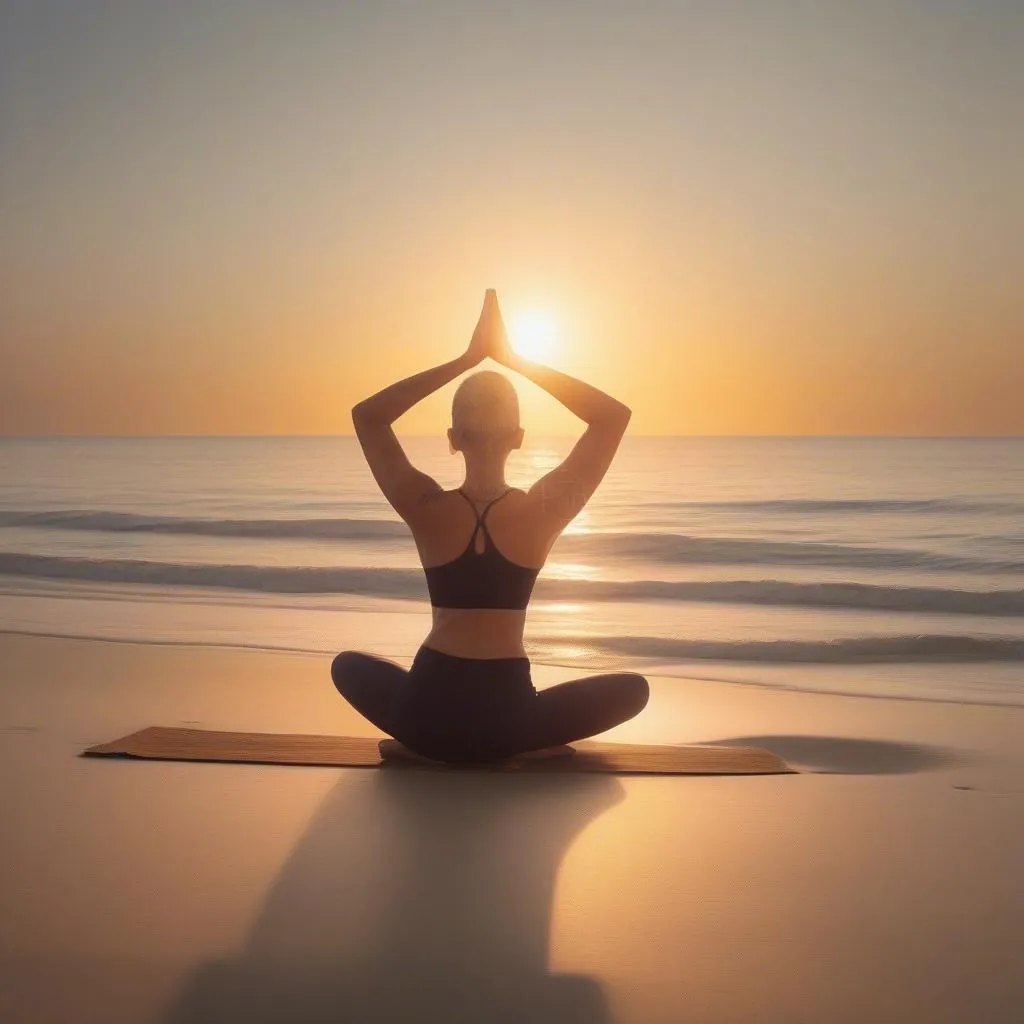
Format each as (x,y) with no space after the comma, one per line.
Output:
(751,217)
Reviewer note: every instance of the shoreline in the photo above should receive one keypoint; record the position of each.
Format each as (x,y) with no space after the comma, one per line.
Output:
(658,669)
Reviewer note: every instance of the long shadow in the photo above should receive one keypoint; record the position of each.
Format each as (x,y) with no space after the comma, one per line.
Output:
(841,755)
(415,896)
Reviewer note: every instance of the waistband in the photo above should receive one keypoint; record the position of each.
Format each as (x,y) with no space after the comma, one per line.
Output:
(429,654)
(442,668)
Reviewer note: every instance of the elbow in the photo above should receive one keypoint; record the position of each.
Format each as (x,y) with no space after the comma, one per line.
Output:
(367,416)
(361,415)
(613,420)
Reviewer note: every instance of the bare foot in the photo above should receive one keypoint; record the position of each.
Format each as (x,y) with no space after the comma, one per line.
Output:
(559,751)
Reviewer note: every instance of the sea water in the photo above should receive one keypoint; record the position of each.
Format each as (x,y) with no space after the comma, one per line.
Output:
(872,567)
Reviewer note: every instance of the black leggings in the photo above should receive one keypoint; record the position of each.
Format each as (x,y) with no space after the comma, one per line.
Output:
(477,710)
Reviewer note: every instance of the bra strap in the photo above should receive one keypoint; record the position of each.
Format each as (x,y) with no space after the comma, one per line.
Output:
(469,501)
(481,516)
(471,546)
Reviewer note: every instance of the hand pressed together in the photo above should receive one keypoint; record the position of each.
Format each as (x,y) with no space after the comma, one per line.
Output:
(490,338)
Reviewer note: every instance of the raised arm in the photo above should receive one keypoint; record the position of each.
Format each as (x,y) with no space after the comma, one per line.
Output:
(561,493)
(404,486)
(564,491)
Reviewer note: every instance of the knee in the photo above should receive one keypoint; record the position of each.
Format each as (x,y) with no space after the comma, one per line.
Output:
(636,692)
(344,666)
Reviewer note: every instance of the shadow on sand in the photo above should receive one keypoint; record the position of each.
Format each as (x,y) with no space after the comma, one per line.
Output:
(415,896)
(841,755)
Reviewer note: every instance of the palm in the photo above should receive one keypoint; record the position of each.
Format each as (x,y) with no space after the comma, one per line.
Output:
(490,337)
(497,337)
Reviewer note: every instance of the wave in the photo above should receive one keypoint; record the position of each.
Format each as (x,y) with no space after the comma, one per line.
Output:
(409,584)
(680,549)
(400,583)
(812,506)
(128,522)
(818,595)
(848,651)
(666,548)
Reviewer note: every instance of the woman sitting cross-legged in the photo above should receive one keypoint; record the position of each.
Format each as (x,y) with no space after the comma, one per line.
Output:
(468,696)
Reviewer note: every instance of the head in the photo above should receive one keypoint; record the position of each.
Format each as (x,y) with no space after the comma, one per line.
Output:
(485,417)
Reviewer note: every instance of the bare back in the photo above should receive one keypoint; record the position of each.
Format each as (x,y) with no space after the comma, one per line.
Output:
(522,533)
(522,527)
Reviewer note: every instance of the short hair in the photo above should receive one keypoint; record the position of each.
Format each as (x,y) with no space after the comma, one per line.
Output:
(485,408)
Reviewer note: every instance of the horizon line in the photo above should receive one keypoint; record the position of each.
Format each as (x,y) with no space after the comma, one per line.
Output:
(544,436)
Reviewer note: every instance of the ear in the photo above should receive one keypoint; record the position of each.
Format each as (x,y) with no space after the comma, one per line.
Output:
(452,447)
(517,438)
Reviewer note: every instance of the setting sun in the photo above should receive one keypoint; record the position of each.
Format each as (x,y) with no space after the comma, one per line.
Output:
(534,335)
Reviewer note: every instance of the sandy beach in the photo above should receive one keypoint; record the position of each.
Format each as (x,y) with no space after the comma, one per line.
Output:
(882,883)
(674,339)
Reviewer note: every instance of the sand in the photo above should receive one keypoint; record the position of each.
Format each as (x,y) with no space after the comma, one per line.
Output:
(883,883)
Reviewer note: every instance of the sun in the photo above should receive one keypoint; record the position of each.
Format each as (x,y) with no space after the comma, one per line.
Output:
(534,335)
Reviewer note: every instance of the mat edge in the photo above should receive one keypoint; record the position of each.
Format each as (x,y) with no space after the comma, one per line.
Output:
(120,748)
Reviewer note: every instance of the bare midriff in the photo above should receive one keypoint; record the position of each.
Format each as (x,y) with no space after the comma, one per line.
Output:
(478,632)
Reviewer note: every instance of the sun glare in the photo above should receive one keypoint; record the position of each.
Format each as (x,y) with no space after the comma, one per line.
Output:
(534,335)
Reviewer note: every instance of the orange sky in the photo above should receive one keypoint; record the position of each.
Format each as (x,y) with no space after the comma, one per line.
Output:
(746,219)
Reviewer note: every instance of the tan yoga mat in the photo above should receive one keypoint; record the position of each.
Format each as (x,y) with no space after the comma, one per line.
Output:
(164,744)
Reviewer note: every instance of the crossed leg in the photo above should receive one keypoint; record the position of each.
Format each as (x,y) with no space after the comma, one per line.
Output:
(560,714)
(584,707)
(368,683)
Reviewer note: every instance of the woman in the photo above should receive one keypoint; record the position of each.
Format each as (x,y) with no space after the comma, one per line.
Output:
(468,696)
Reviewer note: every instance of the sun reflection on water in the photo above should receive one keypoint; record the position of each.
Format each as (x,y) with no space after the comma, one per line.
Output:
(543,460)
(560,607)
(563,651)
(571,571)
(580,524)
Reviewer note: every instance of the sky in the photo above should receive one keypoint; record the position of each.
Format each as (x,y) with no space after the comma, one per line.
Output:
(762,217)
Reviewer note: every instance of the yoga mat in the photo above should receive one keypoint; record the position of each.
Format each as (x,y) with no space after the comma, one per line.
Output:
(164,744)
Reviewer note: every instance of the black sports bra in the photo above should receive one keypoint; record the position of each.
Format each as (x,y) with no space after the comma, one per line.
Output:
(480,579)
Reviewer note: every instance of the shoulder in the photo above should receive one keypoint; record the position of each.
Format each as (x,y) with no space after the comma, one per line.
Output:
(527,515)
(437,507)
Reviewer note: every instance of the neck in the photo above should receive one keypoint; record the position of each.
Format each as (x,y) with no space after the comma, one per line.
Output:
(484,479)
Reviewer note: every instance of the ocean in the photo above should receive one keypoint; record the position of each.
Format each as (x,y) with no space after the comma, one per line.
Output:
(863,566)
